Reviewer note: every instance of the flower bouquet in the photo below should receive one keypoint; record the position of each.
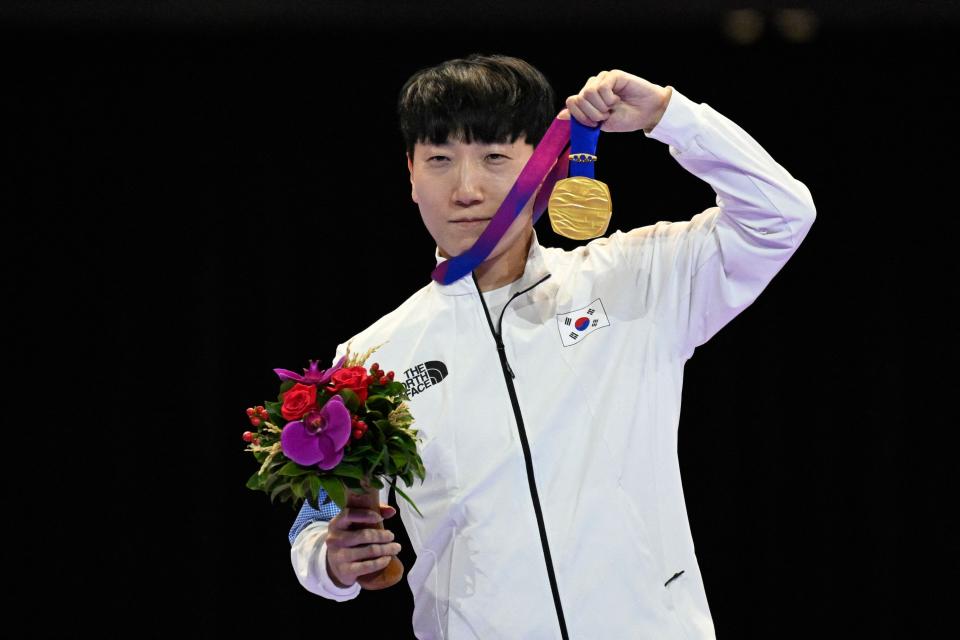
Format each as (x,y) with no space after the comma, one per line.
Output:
(346,430)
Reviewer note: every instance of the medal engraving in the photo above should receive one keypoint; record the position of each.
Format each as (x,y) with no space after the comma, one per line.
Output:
(580,208)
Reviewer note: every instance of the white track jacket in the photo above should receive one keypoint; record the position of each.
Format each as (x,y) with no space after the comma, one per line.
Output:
(549,431)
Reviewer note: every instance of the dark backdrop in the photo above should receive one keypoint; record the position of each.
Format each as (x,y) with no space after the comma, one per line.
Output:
(191,202)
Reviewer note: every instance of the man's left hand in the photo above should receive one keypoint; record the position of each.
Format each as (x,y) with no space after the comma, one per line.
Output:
(618,101)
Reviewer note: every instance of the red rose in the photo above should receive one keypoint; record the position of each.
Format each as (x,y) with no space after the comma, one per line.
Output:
(353,378)
(298,400)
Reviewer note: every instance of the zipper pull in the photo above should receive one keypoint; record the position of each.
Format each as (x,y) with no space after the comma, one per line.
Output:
(503,354)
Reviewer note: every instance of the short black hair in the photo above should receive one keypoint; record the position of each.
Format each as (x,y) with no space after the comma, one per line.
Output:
(489,99)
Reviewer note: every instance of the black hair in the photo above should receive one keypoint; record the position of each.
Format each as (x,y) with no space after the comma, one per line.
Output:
(484,98)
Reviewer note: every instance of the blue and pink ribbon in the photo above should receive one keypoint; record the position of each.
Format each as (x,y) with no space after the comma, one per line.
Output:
(548,164)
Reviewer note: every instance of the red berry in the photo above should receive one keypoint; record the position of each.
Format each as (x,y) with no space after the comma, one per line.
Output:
(357,434)
(374,366)
(247,436)
(255,422)
(256,441)
(250,412)
(390,375)
(362,425)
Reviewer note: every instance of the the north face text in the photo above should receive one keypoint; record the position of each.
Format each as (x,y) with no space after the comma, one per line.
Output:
(424,375)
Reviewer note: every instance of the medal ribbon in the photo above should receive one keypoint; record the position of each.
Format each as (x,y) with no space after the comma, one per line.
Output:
(551,153)
(583,146)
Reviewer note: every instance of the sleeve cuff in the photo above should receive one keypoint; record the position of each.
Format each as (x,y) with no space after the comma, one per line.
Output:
(309,558)
(678,125)
(326,583)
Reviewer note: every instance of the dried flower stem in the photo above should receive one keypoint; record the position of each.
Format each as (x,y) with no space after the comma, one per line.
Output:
(274,450)
(354,360)
(400,417)
(272,427)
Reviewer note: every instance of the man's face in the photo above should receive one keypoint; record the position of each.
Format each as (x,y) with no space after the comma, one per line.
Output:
(460,186)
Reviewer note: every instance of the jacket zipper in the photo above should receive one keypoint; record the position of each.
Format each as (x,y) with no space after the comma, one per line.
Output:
(509,376)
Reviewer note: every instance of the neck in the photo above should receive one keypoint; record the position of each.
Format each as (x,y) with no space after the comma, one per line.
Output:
(505,268)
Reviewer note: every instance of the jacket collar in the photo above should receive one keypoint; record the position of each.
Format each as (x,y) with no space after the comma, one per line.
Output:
(534,269)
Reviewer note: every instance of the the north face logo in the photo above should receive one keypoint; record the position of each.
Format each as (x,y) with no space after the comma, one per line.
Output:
(424,375)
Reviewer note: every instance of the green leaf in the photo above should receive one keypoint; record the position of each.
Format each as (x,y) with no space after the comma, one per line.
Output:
(279,489)
(396,389)
(363,448)
(350,399)
(335,489)
(373,467)
(293,469)
(298,489)
(286,386)
(407,498)
(348,471)
(255,481)
(380,404)
(273,409)
(313,488)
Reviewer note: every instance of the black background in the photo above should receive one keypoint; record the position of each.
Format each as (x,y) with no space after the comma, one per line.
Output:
(194,198)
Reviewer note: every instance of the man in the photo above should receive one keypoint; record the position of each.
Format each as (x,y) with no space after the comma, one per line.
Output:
(546,384)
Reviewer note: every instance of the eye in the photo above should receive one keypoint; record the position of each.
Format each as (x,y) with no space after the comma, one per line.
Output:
(497,157)
(437,158)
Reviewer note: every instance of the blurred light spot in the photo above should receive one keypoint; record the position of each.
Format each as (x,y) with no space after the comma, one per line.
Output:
(743,26)
(797,25)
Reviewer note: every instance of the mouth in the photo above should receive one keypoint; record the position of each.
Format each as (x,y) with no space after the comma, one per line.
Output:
(468,221)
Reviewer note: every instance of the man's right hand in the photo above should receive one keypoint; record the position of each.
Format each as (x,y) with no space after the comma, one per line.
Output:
(356,552)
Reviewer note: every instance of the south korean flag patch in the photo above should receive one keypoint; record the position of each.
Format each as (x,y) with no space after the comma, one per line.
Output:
(578,324)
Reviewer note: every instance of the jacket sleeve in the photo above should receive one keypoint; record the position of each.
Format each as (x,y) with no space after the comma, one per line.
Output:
(701,273)
(308,554)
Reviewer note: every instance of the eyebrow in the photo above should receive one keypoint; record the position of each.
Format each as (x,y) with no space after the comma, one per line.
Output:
(447,145)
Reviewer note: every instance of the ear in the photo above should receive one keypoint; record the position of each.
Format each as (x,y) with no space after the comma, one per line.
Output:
(413,186)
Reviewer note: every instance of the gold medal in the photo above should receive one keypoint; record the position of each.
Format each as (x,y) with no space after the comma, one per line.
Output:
(580,208)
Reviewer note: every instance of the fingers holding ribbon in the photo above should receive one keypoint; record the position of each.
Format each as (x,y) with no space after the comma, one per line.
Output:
(606,81)
(596,101)
(619,101)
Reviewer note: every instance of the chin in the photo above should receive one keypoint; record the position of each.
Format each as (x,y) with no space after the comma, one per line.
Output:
(457,249)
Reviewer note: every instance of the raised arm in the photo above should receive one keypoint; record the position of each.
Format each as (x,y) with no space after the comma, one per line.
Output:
(704,271)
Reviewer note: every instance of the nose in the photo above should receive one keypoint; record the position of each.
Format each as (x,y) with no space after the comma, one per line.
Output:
(467,191)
